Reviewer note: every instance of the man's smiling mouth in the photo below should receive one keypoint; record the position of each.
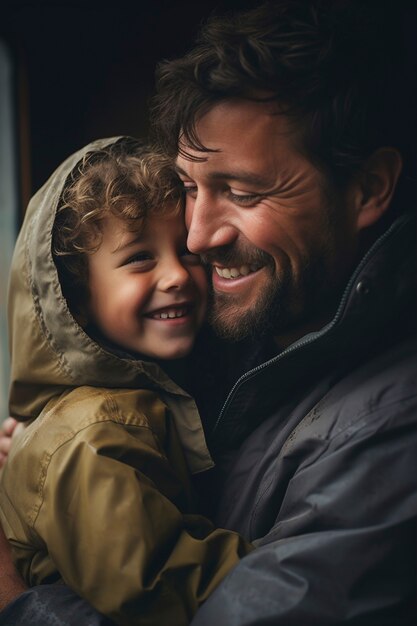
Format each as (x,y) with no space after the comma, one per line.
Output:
(236,272)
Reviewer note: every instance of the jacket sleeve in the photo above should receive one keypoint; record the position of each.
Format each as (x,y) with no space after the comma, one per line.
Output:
(50,605)
(117,538)
(343,548)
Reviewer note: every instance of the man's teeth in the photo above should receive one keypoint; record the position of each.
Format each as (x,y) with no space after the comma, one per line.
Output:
(171,314)
(235,272)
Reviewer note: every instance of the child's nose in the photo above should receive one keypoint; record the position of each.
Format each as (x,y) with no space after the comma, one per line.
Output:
(174,276)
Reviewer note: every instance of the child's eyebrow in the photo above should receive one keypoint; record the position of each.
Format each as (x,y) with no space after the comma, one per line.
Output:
(123,246)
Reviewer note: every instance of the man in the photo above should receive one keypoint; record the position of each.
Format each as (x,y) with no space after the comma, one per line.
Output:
(290,135)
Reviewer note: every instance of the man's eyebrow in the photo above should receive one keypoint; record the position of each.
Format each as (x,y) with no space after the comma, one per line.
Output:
(241,176)
(238,175)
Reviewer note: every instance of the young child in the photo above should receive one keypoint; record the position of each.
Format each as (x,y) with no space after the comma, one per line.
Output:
(95,492)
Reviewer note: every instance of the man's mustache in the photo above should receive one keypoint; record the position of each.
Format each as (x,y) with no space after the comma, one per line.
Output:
(236,256)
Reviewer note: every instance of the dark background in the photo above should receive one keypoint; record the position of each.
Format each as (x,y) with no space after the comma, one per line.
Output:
(85,70)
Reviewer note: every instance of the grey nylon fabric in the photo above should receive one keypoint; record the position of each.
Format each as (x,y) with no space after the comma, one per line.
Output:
(326,485)
(51,605)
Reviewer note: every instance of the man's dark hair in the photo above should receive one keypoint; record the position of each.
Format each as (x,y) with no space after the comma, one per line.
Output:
(337,67)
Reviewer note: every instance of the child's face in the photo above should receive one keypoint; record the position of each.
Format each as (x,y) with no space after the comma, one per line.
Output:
(147,292)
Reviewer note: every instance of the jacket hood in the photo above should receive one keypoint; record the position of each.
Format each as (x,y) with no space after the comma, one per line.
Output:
(50,352)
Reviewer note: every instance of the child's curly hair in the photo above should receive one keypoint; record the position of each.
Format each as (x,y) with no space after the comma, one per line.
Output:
(128,179)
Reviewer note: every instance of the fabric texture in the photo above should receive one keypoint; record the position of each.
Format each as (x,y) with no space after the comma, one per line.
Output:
(317,458)
(96,492)
(51,605)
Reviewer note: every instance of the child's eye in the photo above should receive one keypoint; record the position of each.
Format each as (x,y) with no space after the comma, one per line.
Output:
(139,257)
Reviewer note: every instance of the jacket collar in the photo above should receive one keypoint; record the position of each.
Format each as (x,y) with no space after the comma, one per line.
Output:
(376,309)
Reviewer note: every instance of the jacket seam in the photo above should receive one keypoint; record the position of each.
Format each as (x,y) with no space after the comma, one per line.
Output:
(38,311)
(45,463)
(329,440)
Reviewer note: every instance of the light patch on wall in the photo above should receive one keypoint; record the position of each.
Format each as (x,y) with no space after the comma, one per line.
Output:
(8,208)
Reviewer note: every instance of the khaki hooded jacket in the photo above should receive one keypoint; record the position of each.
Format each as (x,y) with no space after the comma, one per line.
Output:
(96,490)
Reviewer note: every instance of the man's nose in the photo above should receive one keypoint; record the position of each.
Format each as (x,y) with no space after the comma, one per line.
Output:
(208,223)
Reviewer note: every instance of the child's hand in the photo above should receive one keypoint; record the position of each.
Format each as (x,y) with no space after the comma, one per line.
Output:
(9,428)
(11,584)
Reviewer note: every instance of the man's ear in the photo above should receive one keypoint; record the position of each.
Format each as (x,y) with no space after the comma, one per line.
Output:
(377,183)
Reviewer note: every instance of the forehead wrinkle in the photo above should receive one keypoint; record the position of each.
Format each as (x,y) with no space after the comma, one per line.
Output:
(294,179)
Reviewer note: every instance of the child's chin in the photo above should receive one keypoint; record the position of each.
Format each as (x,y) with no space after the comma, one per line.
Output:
(177,352)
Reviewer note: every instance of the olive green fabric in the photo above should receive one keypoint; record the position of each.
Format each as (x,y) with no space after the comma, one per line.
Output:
(96,489)
(50,352)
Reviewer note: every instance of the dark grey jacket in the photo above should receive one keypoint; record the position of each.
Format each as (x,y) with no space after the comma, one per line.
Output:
(324,476)
(318,456)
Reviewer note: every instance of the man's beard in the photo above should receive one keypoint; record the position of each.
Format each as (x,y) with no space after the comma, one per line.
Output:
(233,322)
(281,306)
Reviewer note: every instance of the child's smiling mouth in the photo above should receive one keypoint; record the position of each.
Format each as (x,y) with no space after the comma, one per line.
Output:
(171,312)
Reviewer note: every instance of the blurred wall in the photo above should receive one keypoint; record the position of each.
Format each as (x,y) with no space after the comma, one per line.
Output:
(87,69)
(71,72)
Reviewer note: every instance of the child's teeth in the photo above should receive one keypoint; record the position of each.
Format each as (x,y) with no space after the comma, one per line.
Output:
(170,314)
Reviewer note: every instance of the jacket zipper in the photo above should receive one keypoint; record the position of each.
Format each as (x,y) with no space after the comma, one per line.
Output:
(313,336)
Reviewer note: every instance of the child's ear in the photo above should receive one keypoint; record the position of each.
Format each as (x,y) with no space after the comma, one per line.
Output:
(376,185)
